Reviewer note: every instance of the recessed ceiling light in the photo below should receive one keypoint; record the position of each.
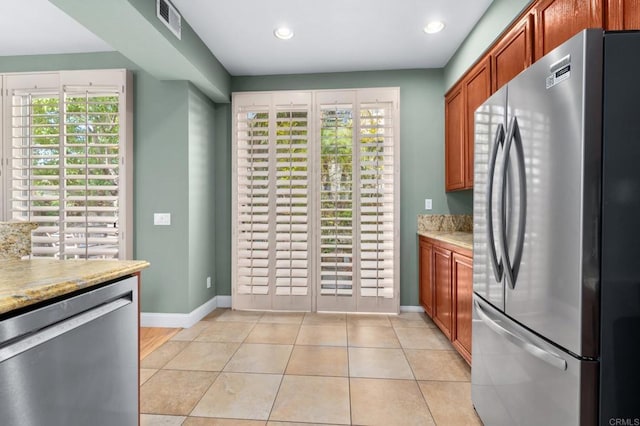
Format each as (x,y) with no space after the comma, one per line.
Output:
(283,33)
(434,27)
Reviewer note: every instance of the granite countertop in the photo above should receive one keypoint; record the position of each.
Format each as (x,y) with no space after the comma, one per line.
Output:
(25,282)
(458,238)
(448,228)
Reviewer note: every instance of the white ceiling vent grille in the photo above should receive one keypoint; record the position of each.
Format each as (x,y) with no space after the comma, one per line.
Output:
(169,16)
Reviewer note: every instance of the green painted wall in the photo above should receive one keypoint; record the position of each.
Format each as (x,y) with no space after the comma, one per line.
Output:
(173,126)
(495,19)
(421,149)
(201,173)
(222,211)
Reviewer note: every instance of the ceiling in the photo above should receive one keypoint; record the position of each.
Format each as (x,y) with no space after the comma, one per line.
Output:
(37,27)
(330,35)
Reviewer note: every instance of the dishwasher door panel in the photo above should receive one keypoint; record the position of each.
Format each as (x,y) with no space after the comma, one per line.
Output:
(82,370)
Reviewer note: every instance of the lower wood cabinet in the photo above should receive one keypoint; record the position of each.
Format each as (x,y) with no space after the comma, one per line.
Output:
(462,267)
(426,289)
(446,290)
(442,289)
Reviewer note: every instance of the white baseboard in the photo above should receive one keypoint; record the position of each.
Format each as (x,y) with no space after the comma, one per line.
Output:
(411,309)
(223,301)
(153,319)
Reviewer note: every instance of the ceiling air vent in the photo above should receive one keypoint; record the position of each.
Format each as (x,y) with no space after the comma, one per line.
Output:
(169,16)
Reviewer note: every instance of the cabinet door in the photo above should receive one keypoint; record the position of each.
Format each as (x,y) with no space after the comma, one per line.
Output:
(477,88)
(623,14)
(426,277)
(513,54)
(454,140)
(463,295)
(442,289)
(559,20)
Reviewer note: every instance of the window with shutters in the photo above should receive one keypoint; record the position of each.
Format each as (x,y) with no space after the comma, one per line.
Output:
(67,140)
(316,200)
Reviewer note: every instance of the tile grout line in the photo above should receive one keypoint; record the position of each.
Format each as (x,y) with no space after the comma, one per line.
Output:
(223,367)
(415,378)
(284,371)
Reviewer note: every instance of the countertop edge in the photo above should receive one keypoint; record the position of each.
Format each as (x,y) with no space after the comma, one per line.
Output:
(42,290)
(464,240)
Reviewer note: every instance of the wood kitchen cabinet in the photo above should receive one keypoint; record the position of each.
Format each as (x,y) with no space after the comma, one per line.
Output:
(442,289)
(462,267)
(446,289)
(559,20)
(623,14)
(454,156)
(460,105)
(513,53)
(426,287)
(477,89)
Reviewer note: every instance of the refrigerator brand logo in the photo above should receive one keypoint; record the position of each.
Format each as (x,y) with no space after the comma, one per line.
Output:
(624,422)
(559,76)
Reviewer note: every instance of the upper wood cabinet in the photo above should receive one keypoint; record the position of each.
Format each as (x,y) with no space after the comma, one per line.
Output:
(559,20)
(460,105)
(623,14)
(543,26)
(477,90)
(454,155)
(513,53)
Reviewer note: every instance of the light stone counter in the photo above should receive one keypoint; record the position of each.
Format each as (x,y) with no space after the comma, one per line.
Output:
(458,238)
(452,229)
(25,282)
(15,239)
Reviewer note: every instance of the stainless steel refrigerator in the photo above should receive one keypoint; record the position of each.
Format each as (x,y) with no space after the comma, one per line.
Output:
(556,260)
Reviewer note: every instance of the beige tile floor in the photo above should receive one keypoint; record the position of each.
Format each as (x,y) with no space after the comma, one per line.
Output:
(286,369)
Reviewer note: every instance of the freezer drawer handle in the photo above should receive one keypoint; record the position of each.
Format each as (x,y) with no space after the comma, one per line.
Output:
(498,268)
(55,330)
(519,341)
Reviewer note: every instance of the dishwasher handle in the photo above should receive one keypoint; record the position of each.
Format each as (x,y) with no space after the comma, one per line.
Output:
(51,332)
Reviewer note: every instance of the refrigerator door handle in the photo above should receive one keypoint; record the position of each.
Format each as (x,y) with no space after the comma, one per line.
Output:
(512,268)
(536,351)
(498,268)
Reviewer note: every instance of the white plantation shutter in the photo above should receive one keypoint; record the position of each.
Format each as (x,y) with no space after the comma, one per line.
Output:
(272,232)
(33,124)
(292,200)
(91,172)
(376,200)
(316,200)
(253,176)
(68,147)
(336,200)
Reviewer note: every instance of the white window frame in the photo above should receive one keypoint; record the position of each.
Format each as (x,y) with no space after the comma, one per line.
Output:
(116,80)
(356,97)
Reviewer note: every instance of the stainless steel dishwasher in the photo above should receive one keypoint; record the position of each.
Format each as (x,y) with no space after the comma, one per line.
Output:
(73,361)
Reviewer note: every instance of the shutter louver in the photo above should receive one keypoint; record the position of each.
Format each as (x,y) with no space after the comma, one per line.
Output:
(336,200)
(35,166)
(292,202)
(253,173)
(91,173)
(376,200)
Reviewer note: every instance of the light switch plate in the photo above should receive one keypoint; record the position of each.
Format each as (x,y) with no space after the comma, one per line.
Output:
(163,219)
(428,204)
